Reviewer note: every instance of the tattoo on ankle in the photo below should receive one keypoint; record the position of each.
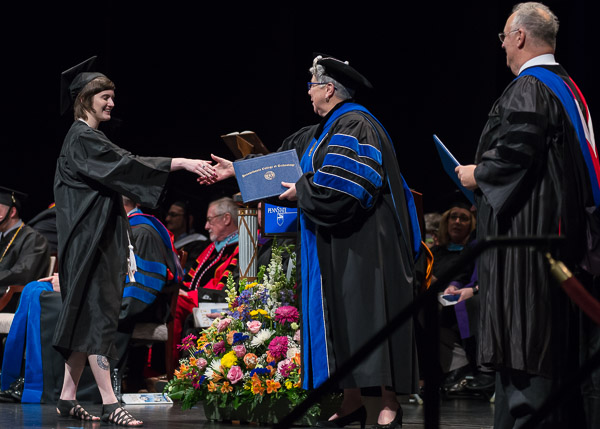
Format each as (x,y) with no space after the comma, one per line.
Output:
(102,362)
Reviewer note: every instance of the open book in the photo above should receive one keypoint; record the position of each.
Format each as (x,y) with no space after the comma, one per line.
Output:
(244,143)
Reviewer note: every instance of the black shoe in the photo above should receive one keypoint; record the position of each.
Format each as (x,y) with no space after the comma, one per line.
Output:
(396,423)
(456,376)
(14,392)
(358,415)
(482,381)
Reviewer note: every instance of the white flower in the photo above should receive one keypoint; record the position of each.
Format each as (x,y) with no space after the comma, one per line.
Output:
(262,336)
(291,352)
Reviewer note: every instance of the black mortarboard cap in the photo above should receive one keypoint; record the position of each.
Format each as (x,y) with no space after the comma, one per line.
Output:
(73,80)
(342,72)
(10,197)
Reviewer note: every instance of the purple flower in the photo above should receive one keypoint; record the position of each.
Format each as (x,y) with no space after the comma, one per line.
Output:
(219,348)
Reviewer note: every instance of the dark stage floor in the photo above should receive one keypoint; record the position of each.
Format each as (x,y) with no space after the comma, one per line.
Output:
(454,413)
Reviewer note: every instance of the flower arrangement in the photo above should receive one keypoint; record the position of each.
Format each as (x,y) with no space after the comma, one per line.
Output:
(252,353)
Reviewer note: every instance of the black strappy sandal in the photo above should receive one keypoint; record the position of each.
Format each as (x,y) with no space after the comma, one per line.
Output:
(71,408)
(121,418)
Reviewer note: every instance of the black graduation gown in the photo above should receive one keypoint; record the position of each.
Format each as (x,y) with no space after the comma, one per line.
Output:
(91,175)
(26,259)
(531,177)
(365,259)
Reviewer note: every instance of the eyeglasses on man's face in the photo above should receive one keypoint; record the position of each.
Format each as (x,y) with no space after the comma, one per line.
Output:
(503,35)
(174,214)
(209,219)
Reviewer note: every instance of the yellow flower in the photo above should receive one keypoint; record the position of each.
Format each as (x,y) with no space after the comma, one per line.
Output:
(272,386)
(226,387)
(229,360)
(251,285)
(288,385)
(255,313)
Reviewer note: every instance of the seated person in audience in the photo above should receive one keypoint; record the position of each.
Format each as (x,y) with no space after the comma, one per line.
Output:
(24,253)
(207,278)
(158,266)
(457,354)
(180,221)
(432,225)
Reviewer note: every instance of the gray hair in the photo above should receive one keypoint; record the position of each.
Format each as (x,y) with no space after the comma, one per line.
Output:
(226,205)
(318,71)
(539,21)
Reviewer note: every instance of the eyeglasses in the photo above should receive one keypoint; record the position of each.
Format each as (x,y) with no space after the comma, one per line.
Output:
(209,219)
(310,84)
(459,217)
(174,214)
(503,35)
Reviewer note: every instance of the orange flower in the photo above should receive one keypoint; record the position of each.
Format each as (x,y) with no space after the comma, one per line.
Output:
(257,387)
(272,369)
(179,375)
(250,360)
(212,387)
(192,361)
(273,386)
(226,387)
(230,335)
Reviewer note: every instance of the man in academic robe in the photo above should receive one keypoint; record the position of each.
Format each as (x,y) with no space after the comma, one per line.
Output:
(24,253)
(207,278)
(144,299)
(530,179)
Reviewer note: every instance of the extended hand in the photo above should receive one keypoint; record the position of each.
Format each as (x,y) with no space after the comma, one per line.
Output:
(204,169)
(223,169)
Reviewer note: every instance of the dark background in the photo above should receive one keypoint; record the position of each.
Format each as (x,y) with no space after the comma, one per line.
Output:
(188,72)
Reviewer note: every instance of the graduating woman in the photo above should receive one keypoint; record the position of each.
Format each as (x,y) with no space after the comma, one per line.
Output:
(94,235)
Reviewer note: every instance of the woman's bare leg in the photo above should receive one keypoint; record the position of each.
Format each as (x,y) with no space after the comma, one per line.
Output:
(101,370)
(73,369)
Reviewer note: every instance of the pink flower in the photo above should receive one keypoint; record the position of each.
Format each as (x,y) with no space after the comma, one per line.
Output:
(278,347)
(235,374)
(254,326)
(223,324)
(201,363)
(297,336)
(240,350)
(285,367)
(286,313)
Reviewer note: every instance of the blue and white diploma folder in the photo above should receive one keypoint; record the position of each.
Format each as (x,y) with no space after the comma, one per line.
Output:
(260,177)
(450,163)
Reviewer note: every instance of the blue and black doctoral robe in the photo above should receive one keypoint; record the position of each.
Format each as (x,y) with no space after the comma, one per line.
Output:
(359,238)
